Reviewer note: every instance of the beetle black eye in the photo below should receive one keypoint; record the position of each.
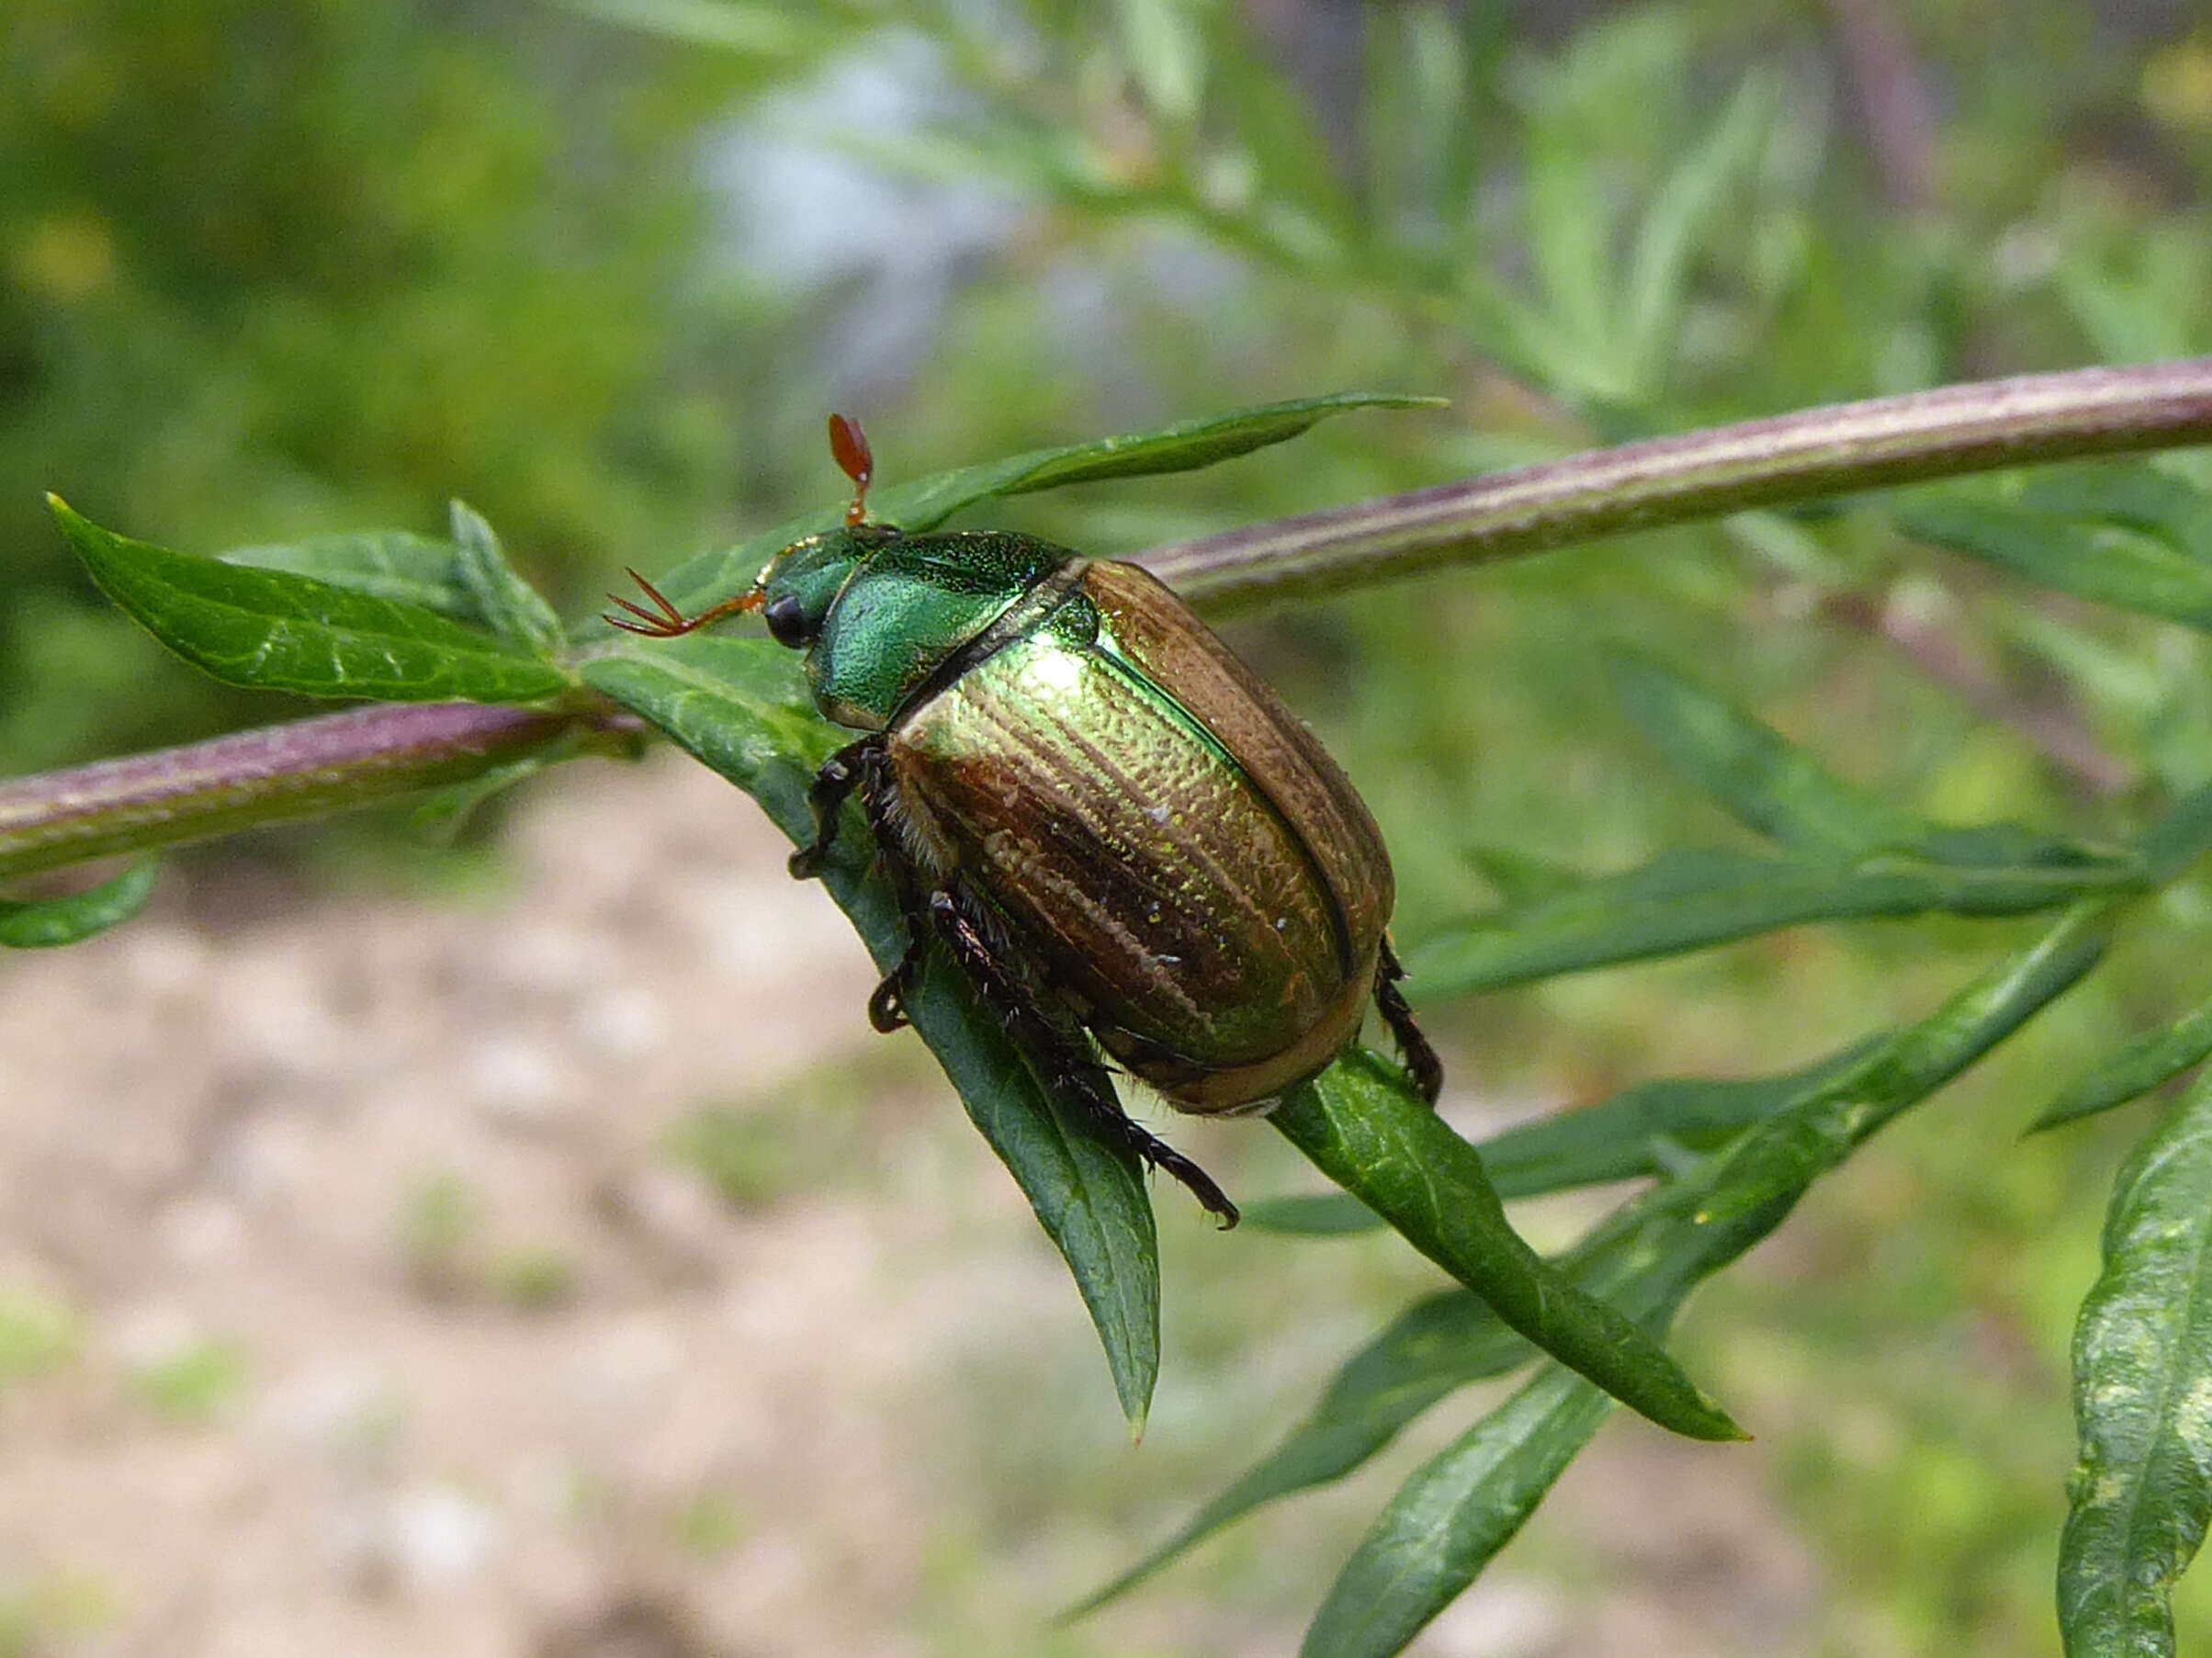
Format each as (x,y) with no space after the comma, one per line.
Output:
(786,621)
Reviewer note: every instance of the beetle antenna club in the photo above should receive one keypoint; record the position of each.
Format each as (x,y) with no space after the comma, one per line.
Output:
(664,621)
(849,447)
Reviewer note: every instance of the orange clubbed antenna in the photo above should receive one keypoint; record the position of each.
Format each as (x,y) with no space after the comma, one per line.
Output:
(659,619)
(664,621)
(849,447)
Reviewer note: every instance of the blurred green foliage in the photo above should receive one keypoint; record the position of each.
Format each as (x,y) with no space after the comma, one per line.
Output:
(277,268)
(195,1382)
(267,270)
(37,1334)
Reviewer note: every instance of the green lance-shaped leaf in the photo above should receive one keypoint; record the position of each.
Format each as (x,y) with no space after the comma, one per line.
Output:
(1439,1533)
(1184,448)
(278,631)
(510,605)
(2118,561)
(1856,857)
(41,923)
(444,814)
(2137,495)
(1362,1126)
(1523,877)
(1448,1521)
(1446,1341)
(2133,1069)
(1684,221)
(1570,222)
(2143,1358)
(1652,1128)
(1777,790)
(1646,1258)
(1312,1214)
(1690,899)
(385,564)
(1436,1347)
(1766,783)
(1777,1160)
(1449,1340)
(2179,838)
(1440,1344)
(927,502)
(736,704)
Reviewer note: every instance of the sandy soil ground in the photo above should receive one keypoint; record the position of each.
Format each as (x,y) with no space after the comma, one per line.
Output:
(352,1301)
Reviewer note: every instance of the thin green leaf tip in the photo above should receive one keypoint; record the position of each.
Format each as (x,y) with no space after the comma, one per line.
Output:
(280,630)
(44,923)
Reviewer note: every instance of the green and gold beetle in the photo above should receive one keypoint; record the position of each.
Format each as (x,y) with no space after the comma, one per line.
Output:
(1110,822)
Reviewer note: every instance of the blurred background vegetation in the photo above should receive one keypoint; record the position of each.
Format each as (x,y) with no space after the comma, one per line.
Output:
(268,269)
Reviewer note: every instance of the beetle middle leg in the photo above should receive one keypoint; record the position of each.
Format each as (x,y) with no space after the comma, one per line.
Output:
(1421,1062)
(1058,1051)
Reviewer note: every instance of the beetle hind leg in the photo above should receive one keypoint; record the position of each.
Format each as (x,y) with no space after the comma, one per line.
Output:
(1057,1050)
(1421,1062)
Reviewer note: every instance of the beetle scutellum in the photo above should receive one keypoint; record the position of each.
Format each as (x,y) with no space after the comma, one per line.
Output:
(1112,823)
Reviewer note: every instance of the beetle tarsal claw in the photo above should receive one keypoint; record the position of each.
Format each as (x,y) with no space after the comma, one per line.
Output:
(1194,1179)
(886,1006)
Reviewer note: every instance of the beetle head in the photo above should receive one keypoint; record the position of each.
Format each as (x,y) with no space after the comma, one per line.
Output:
(795,591)
(793,594)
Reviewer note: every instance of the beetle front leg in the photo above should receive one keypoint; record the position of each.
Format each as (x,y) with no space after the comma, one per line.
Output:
(865,766)
(838,776)
(1058,1053)
(879,795)
(1421,1062)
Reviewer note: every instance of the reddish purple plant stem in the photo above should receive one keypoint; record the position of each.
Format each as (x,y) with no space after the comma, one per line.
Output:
(307,769)
(1816,452)
(318,766)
